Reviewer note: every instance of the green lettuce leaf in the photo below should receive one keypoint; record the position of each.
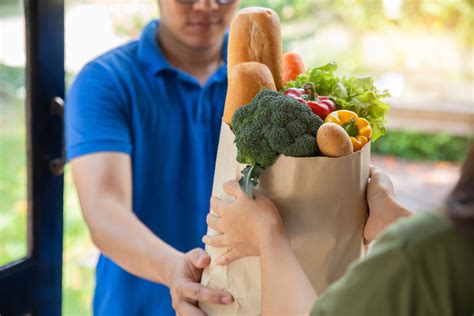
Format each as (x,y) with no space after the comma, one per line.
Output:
(350,93)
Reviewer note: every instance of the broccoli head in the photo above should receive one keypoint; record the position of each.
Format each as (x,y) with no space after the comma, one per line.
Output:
(274,124)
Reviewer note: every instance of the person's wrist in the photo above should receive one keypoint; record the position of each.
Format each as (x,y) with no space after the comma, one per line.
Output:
(271,234)
(172,264)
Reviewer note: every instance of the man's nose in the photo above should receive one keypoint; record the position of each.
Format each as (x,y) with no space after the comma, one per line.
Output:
(206,5)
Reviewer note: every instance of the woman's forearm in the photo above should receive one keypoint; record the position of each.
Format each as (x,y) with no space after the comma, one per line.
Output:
(121,236)
(285,288)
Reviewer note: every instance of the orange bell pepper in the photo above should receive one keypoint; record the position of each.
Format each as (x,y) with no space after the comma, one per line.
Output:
(357,127)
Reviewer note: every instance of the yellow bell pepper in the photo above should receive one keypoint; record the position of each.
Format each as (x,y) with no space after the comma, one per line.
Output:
(357,127)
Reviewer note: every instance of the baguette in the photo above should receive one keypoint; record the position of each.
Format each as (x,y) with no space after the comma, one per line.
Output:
(244,82)
(255,35)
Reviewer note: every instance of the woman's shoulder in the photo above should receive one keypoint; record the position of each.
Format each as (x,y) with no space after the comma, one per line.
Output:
(413,269)
(419,230)
(428,243)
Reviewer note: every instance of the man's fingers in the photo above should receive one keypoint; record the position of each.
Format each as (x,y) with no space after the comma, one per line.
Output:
(214,222)
(232,188)
(215,241)
(199,258)
(227,257)
(198,292)
(186,308)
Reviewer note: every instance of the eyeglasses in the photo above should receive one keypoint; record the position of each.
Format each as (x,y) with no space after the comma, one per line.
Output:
(194,1)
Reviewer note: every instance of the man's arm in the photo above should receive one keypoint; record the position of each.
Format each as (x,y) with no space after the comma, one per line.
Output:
(104,185)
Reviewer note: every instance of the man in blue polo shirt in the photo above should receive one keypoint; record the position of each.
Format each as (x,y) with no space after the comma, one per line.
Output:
(142,128)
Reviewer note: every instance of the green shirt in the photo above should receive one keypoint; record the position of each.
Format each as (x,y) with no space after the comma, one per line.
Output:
(420,266)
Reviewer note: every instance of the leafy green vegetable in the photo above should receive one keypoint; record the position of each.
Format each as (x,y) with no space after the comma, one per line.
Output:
(272,124)
(350,93)
(249,180)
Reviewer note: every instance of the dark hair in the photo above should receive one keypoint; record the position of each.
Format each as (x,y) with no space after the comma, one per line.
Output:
(460,203)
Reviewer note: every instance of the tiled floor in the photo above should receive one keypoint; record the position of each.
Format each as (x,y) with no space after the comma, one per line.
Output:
(419,186)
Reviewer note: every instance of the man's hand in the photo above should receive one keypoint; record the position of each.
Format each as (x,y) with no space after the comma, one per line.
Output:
(185,288)
(383,208)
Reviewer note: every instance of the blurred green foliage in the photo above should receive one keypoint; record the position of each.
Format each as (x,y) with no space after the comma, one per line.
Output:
(11,79)
(13,205)
(423,146)
(10,7)
(454,15)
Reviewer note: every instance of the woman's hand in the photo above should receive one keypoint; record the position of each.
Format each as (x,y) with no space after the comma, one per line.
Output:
(383,207)
(246,224)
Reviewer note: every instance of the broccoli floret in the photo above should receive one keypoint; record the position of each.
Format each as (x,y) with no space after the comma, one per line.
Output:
(272,124)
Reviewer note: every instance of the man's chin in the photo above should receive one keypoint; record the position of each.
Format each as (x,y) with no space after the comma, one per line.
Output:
(203,43)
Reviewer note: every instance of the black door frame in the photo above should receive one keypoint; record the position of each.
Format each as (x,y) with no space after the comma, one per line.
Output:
(32,285)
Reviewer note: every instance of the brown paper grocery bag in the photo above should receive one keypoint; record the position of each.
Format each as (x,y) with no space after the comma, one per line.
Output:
(322,203)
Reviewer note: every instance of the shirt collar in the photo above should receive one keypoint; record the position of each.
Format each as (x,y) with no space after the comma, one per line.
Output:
(152,57)
(149,52)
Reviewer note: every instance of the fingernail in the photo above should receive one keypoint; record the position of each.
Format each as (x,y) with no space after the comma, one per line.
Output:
(227,299)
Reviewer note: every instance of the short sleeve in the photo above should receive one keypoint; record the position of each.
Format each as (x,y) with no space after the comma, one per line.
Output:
(380,284)
(96,116)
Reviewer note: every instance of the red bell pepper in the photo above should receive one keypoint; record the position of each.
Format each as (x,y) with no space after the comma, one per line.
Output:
(320,105)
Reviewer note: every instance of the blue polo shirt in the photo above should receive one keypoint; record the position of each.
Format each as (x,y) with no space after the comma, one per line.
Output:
(131,100)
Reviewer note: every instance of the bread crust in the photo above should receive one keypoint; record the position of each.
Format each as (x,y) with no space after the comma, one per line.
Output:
(245,81)
(255,36)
